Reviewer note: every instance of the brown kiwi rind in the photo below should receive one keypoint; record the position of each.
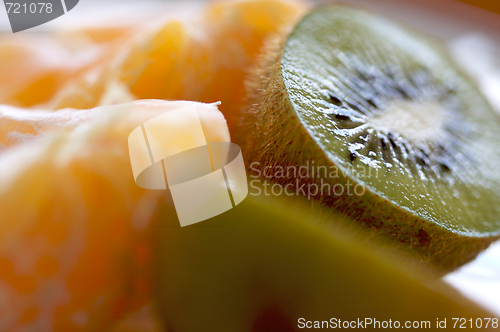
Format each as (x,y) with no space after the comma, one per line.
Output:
(270,134)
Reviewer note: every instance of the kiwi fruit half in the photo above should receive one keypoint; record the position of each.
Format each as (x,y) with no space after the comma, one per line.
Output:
(272,264)
(368,105)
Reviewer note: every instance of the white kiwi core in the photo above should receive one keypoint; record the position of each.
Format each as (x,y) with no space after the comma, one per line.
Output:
(416,121)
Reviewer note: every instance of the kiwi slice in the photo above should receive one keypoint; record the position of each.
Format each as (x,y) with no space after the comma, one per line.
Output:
(271,264)
(384,109)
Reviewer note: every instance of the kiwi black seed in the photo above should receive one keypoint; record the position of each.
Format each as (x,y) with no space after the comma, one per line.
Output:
(387,108)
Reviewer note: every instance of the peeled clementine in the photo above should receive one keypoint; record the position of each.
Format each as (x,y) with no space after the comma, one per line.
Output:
(34,68)
(197,56)
(74,243)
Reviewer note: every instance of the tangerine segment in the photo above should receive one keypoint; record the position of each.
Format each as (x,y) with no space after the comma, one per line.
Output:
(74,248)
(34,68)
(18,125)
(202,56)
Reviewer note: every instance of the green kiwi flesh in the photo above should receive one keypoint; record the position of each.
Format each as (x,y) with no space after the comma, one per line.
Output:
(269,262)
(386,108)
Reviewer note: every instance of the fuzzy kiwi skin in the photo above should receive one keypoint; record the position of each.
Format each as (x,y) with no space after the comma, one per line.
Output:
(271,134)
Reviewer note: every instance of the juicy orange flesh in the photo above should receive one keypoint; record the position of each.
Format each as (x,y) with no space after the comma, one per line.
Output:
(72,256)
(74,248)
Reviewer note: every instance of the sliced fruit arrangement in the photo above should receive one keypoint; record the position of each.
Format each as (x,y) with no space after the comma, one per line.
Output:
(385,108)
(81,243)
(74,246)
(276,265)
